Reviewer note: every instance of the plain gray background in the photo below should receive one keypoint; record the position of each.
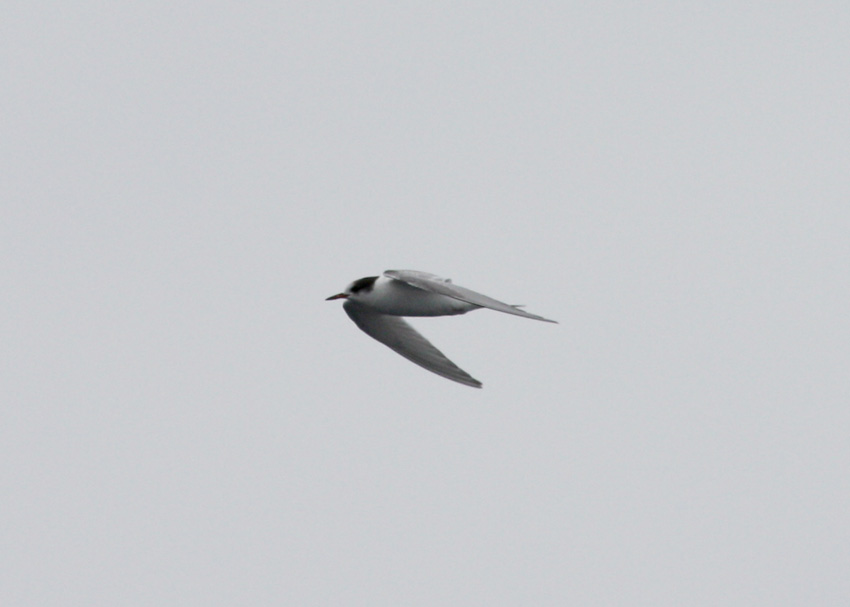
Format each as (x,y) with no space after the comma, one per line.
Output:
(185,421)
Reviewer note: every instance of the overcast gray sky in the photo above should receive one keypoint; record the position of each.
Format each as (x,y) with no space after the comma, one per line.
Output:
(185,421)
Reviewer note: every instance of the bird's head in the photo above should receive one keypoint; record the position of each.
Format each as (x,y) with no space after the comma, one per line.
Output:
(359,286)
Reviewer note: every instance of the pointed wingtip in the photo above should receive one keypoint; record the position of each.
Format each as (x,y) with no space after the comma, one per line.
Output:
(525,314)
(468,381)
(536,317)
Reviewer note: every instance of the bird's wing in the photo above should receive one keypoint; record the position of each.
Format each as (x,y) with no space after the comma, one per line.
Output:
(394,332)
(443,286)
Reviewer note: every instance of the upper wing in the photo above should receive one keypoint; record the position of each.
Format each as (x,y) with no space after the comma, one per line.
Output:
(443,286)
(394,332)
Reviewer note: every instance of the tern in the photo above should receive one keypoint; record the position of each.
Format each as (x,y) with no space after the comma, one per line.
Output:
(377,303)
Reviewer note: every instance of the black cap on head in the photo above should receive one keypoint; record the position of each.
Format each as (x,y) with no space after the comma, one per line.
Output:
(363,284)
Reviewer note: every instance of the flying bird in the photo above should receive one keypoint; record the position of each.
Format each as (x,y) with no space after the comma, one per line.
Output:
(376,304)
